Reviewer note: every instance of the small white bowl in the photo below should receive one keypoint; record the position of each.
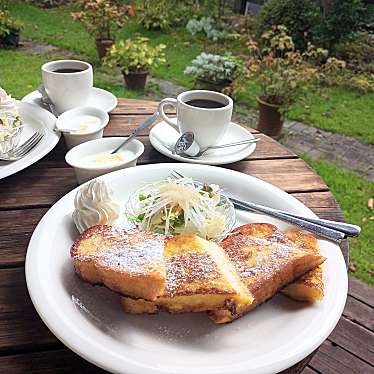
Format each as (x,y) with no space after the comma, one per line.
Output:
(69,119)
(86,171)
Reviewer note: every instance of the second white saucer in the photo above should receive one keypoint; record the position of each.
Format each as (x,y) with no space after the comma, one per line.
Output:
(100,99)
(212,157)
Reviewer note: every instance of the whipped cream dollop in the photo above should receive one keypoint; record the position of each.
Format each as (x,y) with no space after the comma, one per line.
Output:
(7,104)
(10,120)
(94,206)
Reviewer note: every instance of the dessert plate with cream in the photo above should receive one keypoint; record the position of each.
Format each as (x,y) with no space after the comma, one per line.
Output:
(99,98)
(163,138)
(90,321)
(33,119)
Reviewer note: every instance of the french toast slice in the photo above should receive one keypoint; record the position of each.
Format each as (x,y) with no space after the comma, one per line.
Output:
(310,286)
(127,263)
(199,277)
(266,261)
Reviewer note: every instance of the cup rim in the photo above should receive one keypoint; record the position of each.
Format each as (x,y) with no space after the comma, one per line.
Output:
(227,106)
(45,67)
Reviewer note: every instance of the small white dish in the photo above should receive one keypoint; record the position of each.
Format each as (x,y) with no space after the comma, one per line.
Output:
(84,124)
(82,157)
(163,137)
(99,98)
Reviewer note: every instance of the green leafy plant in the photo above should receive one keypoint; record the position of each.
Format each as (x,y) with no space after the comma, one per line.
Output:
(214,68)
(9,25)
(299,16)
(156,14)
(100,18)
(135,55)
(282,71)
(214,30)
(217,69)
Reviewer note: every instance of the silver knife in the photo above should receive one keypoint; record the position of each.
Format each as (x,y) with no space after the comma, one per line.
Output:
(323,231)
(148,122)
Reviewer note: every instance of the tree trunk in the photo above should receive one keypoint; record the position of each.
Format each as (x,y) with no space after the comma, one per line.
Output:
(326,6)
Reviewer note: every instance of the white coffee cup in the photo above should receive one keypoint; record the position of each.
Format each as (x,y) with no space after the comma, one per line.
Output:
(207,124)
(68,90)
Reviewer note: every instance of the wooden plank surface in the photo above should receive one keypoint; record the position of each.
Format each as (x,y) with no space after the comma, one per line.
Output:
(359,312)
(354,339)
(26,345)
(61,361)
(362,292)
(267,149)
(40,187)
(332,359)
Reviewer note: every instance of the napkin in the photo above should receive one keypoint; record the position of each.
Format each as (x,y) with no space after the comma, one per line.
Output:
(166,135)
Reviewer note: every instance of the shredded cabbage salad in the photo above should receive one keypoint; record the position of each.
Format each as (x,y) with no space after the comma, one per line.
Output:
(181,206)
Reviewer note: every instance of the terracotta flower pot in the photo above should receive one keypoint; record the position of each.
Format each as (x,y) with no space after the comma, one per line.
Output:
(202,84)
(131,11)
(270,120)
(102,46)
(136,80)
(11,40)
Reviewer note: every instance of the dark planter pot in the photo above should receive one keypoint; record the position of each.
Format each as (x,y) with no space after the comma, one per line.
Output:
(11,40)
(270,120)
(136,80)
(202,84)
(102,46)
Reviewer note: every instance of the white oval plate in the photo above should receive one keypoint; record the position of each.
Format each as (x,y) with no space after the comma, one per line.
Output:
(100,98)
(34,119)
(89,319)
(221,156)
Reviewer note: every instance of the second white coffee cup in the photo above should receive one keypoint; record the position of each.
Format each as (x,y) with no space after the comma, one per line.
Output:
(68,83)
(205,113)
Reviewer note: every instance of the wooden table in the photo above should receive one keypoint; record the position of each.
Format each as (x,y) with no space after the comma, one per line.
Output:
(26,345)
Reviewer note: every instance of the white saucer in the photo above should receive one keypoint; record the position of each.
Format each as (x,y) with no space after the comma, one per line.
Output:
(214,156)
(100,98)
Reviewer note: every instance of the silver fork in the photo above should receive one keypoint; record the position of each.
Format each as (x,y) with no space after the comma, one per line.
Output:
(23,149)
(332,230)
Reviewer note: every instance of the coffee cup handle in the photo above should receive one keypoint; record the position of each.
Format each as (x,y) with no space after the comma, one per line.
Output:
(168,101)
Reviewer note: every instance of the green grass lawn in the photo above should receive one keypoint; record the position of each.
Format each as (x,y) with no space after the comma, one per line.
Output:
(352,193)
(335,109)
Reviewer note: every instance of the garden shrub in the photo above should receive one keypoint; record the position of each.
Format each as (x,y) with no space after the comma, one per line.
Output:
(163,14)
(299,16)
(359,53)
(307,21)
(340,23)
(49,3)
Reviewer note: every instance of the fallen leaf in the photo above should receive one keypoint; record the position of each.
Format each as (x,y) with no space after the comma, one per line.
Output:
(371,218)
(364,219)
(352,267)
(371,203)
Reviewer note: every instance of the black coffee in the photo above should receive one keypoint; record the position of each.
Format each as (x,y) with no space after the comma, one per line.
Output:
(67,70)
(203,103)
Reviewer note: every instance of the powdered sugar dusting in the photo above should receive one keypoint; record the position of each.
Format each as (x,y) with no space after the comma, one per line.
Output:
(268,255)
(186,268)
(132,252)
